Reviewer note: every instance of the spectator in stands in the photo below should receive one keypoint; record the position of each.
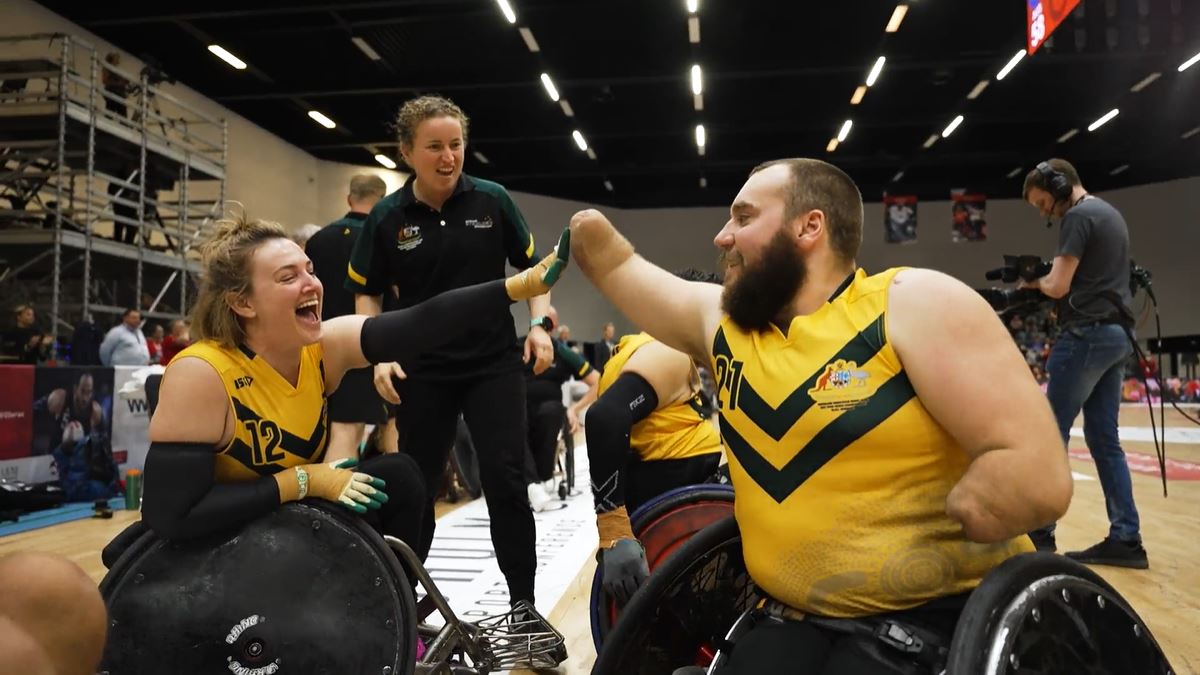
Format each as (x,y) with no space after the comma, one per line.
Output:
(154,342)
(177,341)
(125,345)
(604,348)
(564,336)
(26,342)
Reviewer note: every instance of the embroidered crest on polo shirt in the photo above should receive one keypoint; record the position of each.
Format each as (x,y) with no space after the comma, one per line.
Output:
(408,237)
(484,224)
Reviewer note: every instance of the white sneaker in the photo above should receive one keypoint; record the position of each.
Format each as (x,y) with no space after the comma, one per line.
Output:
(540,501)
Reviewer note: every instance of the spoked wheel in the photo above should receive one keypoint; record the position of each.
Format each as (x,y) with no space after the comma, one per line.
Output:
(304,589)
(1041,613)
(662,525)
(685,608)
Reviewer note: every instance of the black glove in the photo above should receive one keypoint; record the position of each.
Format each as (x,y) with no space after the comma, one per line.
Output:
(625,569)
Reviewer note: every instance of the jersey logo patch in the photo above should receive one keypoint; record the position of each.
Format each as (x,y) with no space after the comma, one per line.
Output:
(843,386)
(483,224)
(408,237)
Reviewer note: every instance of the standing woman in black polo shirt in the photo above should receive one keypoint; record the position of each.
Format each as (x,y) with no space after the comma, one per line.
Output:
(446,230)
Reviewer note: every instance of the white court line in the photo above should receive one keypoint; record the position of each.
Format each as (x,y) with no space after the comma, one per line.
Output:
(1174,435)
(1081,476)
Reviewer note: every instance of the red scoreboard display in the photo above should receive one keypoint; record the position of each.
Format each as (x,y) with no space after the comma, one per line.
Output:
(1043,16)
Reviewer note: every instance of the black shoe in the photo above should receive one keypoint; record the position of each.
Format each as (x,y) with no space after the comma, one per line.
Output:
(1044,541)
(1113,552)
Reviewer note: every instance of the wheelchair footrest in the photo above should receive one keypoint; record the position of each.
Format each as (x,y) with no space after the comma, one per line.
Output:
(522,638)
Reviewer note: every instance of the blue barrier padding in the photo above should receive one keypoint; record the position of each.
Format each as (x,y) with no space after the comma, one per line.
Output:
(61,514)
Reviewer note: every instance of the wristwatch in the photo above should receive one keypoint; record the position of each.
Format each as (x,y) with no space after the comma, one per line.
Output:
(543,321)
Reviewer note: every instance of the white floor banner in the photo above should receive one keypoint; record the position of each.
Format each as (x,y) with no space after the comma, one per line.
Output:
(463,564)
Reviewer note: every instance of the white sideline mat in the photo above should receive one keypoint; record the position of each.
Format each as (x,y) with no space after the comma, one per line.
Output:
(463,563)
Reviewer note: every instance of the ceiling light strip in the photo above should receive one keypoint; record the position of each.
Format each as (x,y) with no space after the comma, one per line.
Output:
(1104,120)
(223,54)
(1012,63)
(1145,82)
(548,84)
(952,126)
(876,70)
(366,48)
(530,41)
(321,119)
(893,24)
(507,10)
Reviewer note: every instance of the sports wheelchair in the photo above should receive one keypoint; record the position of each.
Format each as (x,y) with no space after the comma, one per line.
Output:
(662,525)
(1035,613)
(306,589)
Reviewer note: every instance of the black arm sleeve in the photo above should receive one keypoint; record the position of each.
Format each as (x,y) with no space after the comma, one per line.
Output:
(183,500)
(402,334)
(628,401)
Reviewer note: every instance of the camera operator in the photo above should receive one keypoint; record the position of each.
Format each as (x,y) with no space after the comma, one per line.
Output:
(1090,279)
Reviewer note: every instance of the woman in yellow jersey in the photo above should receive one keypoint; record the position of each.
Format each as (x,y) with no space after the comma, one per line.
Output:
(887,444)
(647,434)
(241,422)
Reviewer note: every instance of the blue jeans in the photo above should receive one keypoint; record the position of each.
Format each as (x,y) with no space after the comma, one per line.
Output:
(1085,370)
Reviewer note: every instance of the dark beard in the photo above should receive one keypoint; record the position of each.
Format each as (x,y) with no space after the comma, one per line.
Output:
(762,291)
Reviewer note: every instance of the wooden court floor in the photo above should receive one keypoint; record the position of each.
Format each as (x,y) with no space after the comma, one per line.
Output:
(1167,596)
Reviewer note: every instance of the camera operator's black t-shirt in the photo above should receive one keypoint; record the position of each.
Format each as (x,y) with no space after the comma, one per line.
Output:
(1095,233)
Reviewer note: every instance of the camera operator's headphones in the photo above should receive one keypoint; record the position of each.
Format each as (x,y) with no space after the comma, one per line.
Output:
(1056,182)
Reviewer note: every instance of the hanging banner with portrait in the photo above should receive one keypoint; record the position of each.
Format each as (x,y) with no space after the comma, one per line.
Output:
(969,216)
(899,218)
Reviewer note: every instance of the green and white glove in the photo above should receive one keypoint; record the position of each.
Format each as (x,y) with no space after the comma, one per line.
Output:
(333,481)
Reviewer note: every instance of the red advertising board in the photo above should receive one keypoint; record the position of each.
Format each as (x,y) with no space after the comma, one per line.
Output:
(16,411)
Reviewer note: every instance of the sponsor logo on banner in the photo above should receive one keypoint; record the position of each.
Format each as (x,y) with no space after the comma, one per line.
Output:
(130,424)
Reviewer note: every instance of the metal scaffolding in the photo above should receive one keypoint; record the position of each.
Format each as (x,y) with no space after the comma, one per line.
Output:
(74,162)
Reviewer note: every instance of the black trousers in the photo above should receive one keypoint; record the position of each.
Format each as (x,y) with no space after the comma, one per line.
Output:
(493,407)
(400,517)
(646,480)
(803,648)
(545,420)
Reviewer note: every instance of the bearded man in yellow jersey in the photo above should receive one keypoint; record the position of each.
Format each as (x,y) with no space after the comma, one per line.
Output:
(887,443)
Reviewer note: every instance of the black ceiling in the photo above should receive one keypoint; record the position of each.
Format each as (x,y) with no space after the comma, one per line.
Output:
(778,76)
